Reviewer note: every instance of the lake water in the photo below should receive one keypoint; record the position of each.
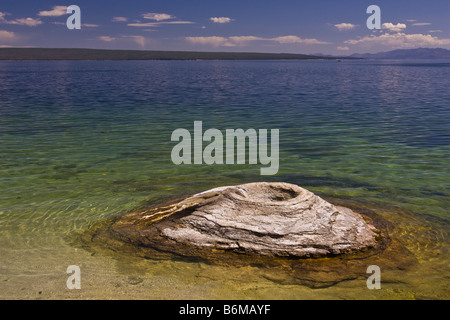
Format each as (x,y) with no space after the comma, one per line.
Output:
(81,142)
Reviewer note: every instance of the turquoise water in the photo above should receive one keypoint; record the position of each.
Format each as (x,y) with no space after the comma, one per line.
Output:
(81,142)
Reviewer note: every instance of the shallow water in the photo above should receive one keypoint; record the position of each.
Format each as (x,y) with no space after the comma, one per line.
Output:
(81,142)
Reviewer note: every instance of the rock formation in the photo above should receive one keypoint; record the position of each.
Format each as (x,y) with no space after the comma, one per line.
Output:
(290,234)
(273,219)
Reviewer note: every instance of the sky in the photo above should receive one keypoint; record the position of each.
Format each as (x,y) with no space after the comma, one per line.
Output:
(288,26)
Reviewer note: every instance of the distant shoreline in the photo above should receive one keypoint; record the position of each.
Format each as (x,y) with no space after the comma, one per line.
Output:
(20,54)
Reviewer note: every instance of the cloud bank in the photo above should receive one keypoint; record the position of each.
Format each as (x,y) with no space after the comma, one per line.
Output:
(30,22)
(220,19)
(234,41)
(56,11)
(345,26)
(401,40)
(158,16)
(393,27)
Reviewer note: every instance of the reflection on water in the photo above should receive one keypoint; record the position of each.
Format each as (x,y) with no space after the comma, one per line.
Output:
(81,142)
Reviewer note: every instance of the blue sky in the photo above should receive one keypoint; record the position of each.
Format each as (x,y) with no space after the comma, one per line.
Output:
(329,27)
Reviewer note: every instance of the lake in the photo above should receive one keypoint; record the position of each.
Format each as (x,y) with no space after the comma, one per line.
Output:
(84,141)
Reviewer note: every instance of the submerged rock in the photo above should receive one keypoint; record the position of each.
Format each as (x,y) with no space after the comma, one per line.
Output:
(274,219)
(277,227)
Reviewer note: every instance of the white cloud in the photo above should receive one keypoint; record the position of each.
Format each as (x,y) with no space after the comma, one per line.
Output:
(220,19)
(213,41)
(216,41)
(393,27)
(90,25)
(7,35)
(30,22)
(158,16)
(106,38)
(139,40)
(295,39)
(434,31)
(418,24)
(345,26)
(176,22)
(141,24)
(119,19)
(56,11)
(401,40)
(156,24)
(244,38)
(159,19)
(343,48)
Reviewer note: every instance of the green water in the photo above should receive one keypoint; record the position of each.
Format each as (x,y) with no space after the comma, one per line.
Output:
(81,142)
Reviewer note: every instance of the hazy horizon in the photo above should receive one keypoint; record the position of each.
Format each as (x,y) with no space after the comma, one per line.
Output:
(209,51)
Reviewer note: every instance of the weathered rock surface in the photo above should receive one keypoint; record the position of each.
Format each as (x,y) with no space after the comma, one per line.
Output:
(274,219)
(275,227)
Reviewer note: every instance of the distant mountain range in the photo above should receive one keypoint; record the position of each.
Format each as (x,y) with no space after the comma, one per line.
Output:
(420,53)
(99,54)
